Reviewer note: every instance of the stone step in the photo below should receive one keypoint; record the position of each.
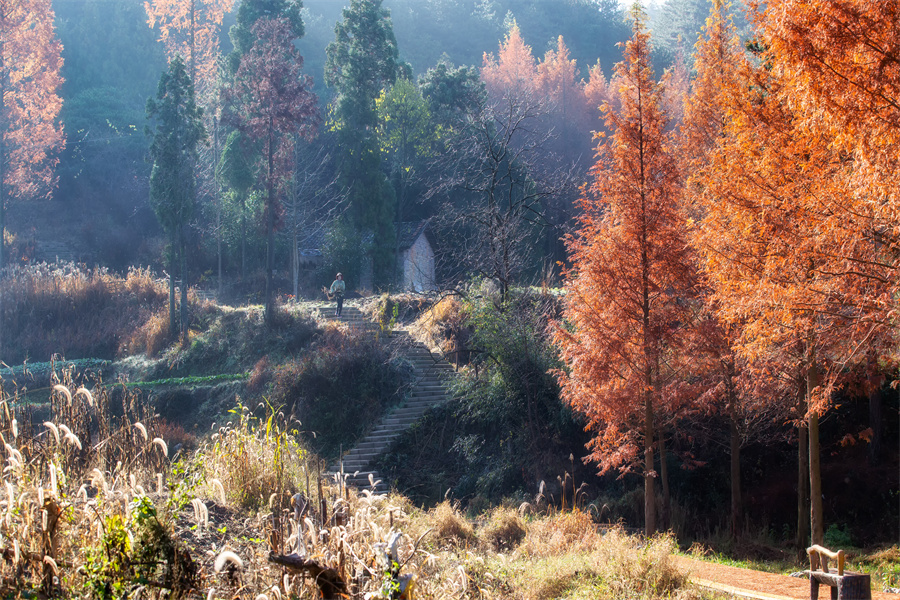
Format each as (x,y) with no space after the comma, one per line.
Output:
(429,389)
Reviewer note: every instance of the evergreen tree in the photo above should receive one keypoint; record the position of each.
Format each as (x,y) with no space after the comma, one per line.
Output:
(179,131)
(407,136)
(362,61)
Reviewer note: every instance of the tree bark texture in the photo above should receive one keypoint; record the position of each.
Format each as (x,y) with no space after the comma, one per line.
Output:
(817,527)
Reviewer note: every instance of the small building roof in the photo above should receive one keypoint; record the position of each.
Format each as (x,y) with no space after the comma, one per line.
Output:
(409,232)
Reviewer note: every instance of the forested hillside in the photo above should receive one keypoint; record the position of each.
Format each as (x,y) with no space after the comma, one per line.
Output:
(661,238)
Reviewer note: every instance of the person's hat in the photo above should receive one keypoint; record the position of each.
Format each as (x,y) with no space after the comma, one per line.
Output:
(338,275)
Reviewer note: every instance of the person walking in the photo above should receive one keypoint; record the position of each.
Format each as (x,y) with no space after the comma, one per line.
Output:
(337,290)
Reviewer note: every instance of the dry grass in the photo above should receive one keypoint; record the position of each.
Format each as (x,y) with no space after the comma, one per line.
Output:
(504,530)
(450,525)
(228,505)
(442,326)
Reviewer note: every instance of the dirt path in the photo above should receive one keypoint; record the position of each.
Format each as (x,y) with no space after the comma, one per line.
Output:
(746,583)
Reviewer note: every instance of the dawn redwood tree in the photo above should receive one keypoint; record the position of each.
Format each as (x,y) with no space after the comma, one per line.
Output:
(270,102)
(838,59)
(361,62)
(716,59)
(191,28)
(177,134)
(789,249)
(596,93)
(630,272)
(513,72)
(31,135)
(249,12)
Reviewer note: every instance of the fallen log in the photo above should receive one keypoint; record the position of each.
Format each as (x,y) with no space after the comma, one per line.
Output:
(328,580)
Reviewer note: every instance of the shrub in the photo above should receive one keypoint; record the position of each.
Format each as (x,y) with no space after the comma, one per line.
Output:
(152,337)
(444,326)
(504,529)
(450,525)
(507,429)
(259,376)
(338,389)
(236,338)
(559,533)
(256,456)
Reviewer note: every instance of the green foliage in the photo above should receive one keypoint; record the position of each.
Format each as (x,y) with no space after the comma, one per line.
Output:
(507,430)
(837,537)
(258,456)
(192,380)
(178,132)
(453,94)
(236,339)
(115,567)
(251,11)
(343,252)
(405,127)
(107,568)
(361,61)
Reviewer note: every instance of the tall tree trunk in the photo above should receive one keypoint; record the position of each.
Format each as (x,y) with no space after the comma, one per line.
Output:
(817,527)
(243,239)
(876,418)
(172,270)
(649,472)
(2,192)
(270,224)
(737,509)
(4,126)
(2,206)
(737,505)
(665,517)
(398,264)
(218,207)
(802,476)
(184,302)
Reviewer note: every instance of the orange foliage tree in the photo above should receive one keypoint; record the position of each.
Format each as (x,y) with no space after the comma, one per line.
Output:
(781,245)
(714,362)
(840,61)
(556,80)
(191,28)
(30,133)
(629,270)
(596,92)
(513,71)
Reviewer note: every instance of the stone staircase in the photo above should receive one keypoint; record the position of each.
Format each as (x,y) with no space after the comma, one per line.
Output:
(430,372)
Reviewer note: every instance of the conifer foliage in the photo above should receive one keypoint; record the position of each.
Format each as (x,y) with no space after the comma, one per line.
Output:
(629,269)
(178,133)
(30,133)
(191,28)
(270,101)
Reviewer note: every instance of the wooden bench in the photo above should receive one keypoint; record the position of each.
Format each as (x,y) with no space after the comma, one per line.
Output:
(844,585)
